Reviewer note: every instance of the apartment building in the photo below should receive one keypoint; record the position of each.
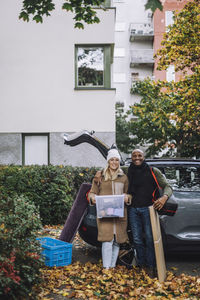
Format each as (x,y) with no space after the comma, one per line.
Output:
(162,19)
(138,36)
(133,55)
(48,85)
(54,79)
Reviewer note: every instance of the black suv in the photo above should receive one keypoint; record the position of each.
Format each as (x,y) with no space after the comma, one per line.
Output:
(180,232)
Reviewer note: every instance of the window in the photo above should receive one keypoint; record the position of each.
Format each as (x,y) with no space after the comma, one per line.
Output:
(35,149)
(170,73)
(185,177)
(107,3)
(169,18)
(134,76)
(93,66)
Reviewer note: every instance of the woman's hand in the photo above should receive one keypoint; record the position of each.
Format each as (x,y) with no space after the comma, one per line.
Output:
(158,204)
(92,199)
(127,199)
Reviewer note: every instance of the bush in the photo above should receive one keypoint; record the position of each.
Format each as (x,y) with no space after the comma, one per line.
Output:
(51,188)
(20,260)
(26,195)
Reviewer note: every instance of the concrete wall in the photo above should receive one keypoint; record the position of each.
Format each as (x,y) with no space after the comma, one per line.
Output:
(83,155)
(10,149)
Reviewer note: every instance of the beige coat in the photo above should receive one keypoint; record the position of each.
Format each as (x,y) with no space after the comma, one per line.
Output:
(108,226)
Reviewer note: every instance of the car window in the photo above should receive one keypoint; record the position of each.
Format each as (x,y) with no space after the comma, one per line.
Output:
(182,177)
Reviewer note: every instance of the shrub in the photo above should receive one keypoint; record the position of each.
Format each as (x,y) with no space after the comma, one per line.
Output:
(51,188)
(20,260)
(26,194)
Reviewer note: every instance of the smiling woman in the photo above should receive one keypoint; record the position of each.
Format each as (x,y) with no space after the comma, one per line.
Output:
(112,231)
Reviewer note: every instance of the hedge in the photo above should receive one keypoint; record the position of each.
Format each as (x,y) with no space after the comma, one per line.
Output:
(30,197)
(20,260)
(52,189)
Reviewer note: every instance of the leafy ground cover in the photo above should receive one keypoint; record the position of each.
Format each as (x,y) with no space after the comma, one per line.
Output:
(89,281)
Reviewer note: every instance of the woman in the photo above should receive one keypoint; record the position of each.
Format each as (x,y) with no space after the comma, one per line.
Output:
(111,231)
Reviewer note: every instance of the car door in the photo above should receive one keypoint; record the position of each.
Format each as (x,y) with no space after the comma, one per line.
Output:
(184,227)
(185,224)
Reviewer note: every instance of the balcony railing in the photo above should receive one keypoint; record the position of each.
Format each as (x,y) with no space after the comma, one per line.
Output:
(141,78)
(141,31)
(141,57)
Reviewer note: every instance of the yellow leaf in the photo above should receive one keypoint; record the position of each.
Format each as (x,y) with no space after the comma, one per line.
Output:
(88,286)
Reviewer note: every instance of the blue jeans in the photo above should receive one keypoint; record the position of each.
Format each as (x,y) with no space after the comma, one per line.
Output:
(140,223)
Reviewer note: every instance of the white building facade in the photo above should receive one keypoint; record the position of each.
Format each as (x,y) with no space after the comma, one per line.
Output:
(48,87)
(133,55)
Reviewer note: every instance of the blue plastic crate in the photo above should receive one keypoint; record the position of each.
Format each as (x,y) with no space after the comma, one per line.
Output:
(56,253)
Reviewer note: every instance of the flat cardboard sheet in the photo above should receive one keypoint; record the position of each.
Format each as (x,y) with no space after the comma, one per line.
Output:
(157,237)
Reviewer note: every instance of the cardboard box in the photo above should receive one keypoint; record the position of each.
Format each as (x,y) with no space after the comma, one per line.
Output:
(110,206)
(158,245)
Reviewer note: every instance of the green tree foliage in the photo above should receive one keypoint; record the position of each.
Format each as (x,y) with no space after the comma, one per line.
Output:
(168,114)
(20,259)
(124,142)
(181,44)
(151,126)
(83,10)
(153,5)
(165,117)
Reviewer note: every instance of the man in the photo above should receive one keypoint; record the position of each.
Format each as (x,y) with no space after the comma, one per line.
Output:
(142,186)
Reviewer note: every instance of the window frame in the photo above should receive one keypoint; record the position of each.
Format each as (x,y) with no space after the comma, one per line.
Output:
(24,135)
(108,59)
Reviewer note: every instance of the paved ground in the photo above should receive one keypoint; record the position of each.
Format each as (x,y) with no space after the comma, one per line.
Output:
(188,264)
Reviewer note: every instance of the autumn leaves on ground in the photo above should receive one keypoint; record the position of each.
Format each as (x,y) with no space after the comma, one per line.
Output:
(89,281)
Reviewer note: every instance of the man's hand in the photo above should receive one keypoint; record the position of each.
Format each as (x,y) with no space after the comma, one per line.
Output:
(158,204)
(98,177)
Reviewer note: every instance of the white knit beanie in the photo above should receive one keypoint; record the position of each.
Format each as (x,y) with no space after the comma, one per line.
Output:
(113,153)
